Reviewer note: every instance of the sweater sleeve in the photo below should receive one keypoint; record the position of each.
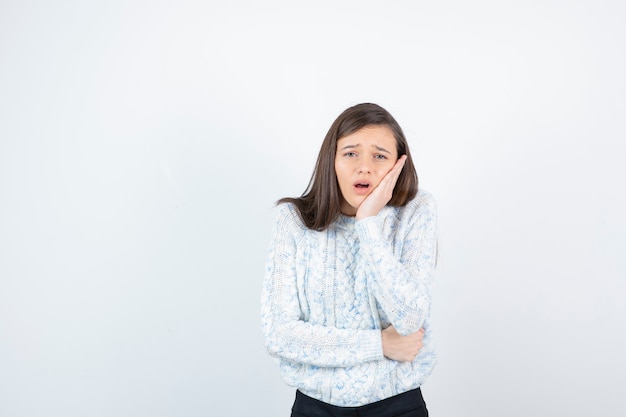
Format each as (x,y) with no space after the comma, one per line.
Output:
(402,284)
(287,336)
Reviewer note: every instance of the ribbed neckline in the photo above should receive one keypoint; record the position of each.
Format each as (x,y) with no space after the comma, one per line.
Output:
(348,222)
(345,222)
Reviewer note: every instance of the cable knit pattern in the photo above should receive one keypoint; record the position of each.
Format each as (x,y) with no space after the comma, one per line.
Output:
(327,295)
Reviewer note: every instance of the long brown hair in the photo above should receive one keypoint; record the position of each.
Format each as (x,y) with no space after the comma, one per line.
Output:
(320,204)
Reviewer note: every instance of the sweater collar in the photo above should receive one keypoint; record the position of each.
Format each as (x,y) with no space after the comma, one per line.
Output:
(348,222)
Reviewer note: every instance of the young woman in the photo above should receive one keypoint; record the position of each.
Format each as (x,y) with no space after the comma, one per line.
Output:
(347,289)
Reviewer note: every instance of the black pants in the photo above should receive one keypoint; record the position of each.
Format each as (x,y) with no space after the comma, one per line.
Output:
(407,404)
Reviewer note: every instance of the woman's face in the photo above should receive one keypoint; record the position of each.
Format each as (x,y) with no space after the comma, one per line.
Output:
(362,160)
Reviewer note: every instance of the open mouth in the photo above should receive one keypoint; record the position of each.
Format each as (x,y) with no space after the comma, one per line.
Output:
(362,187)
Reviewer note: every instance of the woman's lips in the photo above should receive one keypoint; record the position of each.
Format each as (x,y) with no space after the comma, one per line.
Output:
(362,187)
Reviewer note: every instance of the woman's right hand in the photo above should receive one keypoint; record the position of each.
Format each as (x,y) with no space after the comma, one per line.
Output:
(401,348)
(381,195)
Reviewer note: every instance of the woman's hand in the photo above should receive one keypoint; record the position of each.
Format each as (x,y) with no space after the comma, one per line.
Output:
(401,348)
(380,196)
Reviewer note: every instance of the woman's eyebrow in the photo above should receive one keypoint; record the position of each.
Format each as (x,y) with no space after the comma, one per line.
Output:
(381,149)
(349,147)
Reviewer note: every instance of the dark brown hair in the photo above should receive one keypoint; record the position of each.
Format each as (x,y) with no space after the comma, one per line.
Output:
(320,205)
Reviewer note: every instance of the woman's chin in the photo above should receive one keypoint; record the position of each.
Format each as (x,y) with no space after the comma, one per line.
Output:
(349,208)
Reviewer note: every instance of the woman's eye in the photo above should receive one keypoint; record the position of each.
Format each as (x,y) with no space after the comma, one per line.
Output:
(350,154)
(380,156)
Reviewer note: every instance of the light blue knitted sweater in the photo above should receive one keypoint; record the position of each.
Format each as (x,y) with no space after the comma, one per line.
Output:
(327,295)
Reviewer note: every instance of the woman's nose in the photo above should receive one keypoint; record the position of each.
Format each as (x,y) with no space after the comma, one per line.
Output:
(365,168)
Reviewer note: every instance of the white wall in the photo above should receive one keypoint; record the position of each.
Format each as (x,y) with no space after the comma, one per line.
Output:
(143,143)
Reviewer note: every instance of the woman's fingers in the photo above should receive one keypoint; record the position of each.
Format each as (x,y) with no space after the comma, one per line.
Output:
(394,174)
(389,180)
(401,348)
(380,196)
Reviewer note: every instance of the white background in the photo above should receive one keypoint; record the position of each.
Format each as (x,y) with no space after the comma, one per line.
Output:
(143,143)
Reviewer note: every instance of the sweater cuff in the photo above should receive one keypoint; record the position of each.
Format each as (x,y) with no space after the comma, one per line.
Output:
(370,345)
(369,228)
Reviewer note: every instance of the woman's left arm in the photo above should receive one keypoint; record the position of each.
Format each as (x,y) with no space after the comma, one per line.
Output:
(402,284)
